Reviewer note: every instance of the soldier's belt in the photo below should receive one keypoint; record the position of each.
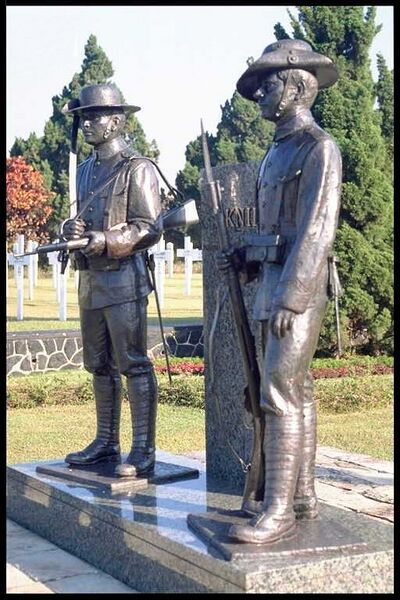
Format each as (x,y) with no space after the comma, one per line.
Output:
(261,248)
(99,263)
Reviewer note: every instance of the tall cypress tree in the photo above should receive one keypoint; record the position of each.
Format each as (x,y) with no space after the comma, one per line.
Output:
(346,110)
(384,93)
(50,153)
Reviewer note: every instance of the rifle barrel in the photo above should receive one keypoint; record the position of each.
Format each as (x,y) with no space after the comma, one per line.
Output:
(57,247)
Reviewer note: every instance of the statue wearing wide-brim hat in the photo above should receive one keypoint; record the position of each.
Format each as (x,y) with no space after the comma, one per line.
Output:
(101,96)
(119,210)
(287,54)
(297,205)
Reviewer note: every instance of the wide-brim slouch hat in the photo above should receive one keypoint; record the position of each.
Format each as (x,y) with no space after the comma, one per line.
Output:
(104,95)
(287,54)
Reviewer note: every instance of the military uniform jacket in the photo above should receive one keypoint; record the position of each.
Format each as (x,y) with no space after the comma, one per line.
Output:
(119,195)
(298,197)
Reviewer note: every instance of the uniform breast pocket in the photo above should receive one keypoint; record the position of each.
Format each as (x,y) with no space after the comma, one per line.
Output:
(265,206)
(120,186)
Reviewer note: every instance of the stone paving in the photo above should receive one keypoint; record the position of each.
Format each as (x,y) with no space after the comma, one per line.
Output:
(353,482)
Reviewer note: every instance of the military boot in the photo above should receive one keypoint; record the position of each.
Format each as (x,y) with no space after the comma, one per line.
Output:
(282,447)
(105,446)
(142,393)
(305,499)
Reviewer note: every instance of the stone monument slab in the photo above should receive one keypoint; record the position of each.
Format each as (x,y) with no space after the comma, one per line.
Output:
(228,429)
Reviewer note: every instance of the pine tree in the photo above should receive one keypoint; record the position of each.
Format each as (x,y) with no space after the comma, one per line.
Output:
(50,153)
(346,110)
(242,135)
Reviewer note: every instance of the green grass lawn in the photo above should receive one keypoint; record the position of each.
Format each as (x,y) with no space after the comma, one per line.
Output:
(364,432)
(42,312)
(51,432)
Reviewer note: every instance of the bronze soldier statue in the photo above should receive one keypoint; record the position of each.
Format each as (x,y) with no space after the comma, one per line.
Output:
(298,197)
(119,209)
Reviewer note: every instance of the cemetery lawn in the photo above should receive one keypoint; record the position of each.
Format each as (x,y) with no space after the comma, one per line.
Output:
(41,313)
(51,432)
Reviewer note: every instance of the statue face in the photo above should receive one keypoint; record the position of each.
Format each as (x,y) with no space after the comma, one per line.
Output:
(99,126)
(269,95)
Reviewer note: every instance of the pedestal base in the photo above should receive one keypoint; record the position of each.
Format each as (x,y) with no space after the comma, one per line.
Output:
(103,475)
(141,537)
(323,535)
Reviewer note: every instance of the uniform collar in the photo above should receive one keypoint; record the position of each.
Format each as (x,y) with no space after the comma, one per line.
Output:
(108,150)
(293,123)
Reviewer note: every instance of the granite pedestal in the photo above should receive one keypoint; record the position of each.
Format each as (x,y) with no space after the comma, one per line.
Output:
(144,537)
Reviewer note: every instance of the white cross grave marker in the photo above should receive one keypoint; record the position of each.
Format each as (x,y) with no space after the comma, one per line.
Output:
(76,279)
(189,254)
(160,256)
(170,258)
(56,265)
(31,269)
(35,258)
(19,263)
(63,288)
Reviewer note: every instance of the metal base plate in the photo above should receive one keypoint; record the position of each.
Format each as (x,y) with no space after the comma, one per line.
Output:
(315,536)
(103,475)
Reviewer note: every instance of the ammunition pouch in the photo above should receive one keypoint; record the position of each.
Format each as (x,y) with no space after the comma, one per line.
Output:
(97,263)
(264,248)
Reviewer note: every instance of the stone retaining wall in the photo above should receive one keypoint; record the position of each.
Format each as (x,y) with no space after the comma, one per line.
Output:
(55,350)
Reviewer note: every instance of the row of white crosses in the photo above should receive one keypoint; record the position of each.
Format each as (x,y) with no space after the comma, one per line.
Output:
(19,262)
(60,283)
(31,262)
(163,255)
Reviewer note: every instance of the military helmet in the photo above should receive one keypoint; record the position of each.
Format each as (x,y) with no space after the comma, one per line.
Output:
(287,54)
(104,95)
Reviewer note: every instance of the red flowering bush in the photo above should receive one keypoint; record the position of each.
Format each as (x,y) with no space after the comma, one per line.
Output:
(178,368)
(28,201)
(339,368)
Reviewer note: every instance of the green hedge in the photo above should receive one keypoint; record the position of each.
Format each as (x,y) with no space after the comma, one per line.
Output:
(74,387)
(353,361)
(317,363)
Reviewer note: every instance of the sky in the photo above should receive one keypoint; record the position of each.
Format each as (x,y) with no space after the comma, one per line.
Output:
(178,63)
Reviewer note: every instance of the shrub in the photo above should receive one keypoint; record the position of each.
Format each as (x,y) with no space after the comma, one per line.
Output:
(337,395)
(363,361)
(184,391)
(75,387)
(49,389)
(351,394)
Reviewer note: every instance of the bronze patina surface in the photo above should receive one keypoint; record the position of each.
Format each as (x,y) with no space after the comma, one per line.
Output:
(298,201)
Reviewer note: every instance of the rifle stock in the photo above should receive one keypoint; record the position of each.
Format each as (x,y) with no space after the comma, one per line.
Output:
(254,484)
